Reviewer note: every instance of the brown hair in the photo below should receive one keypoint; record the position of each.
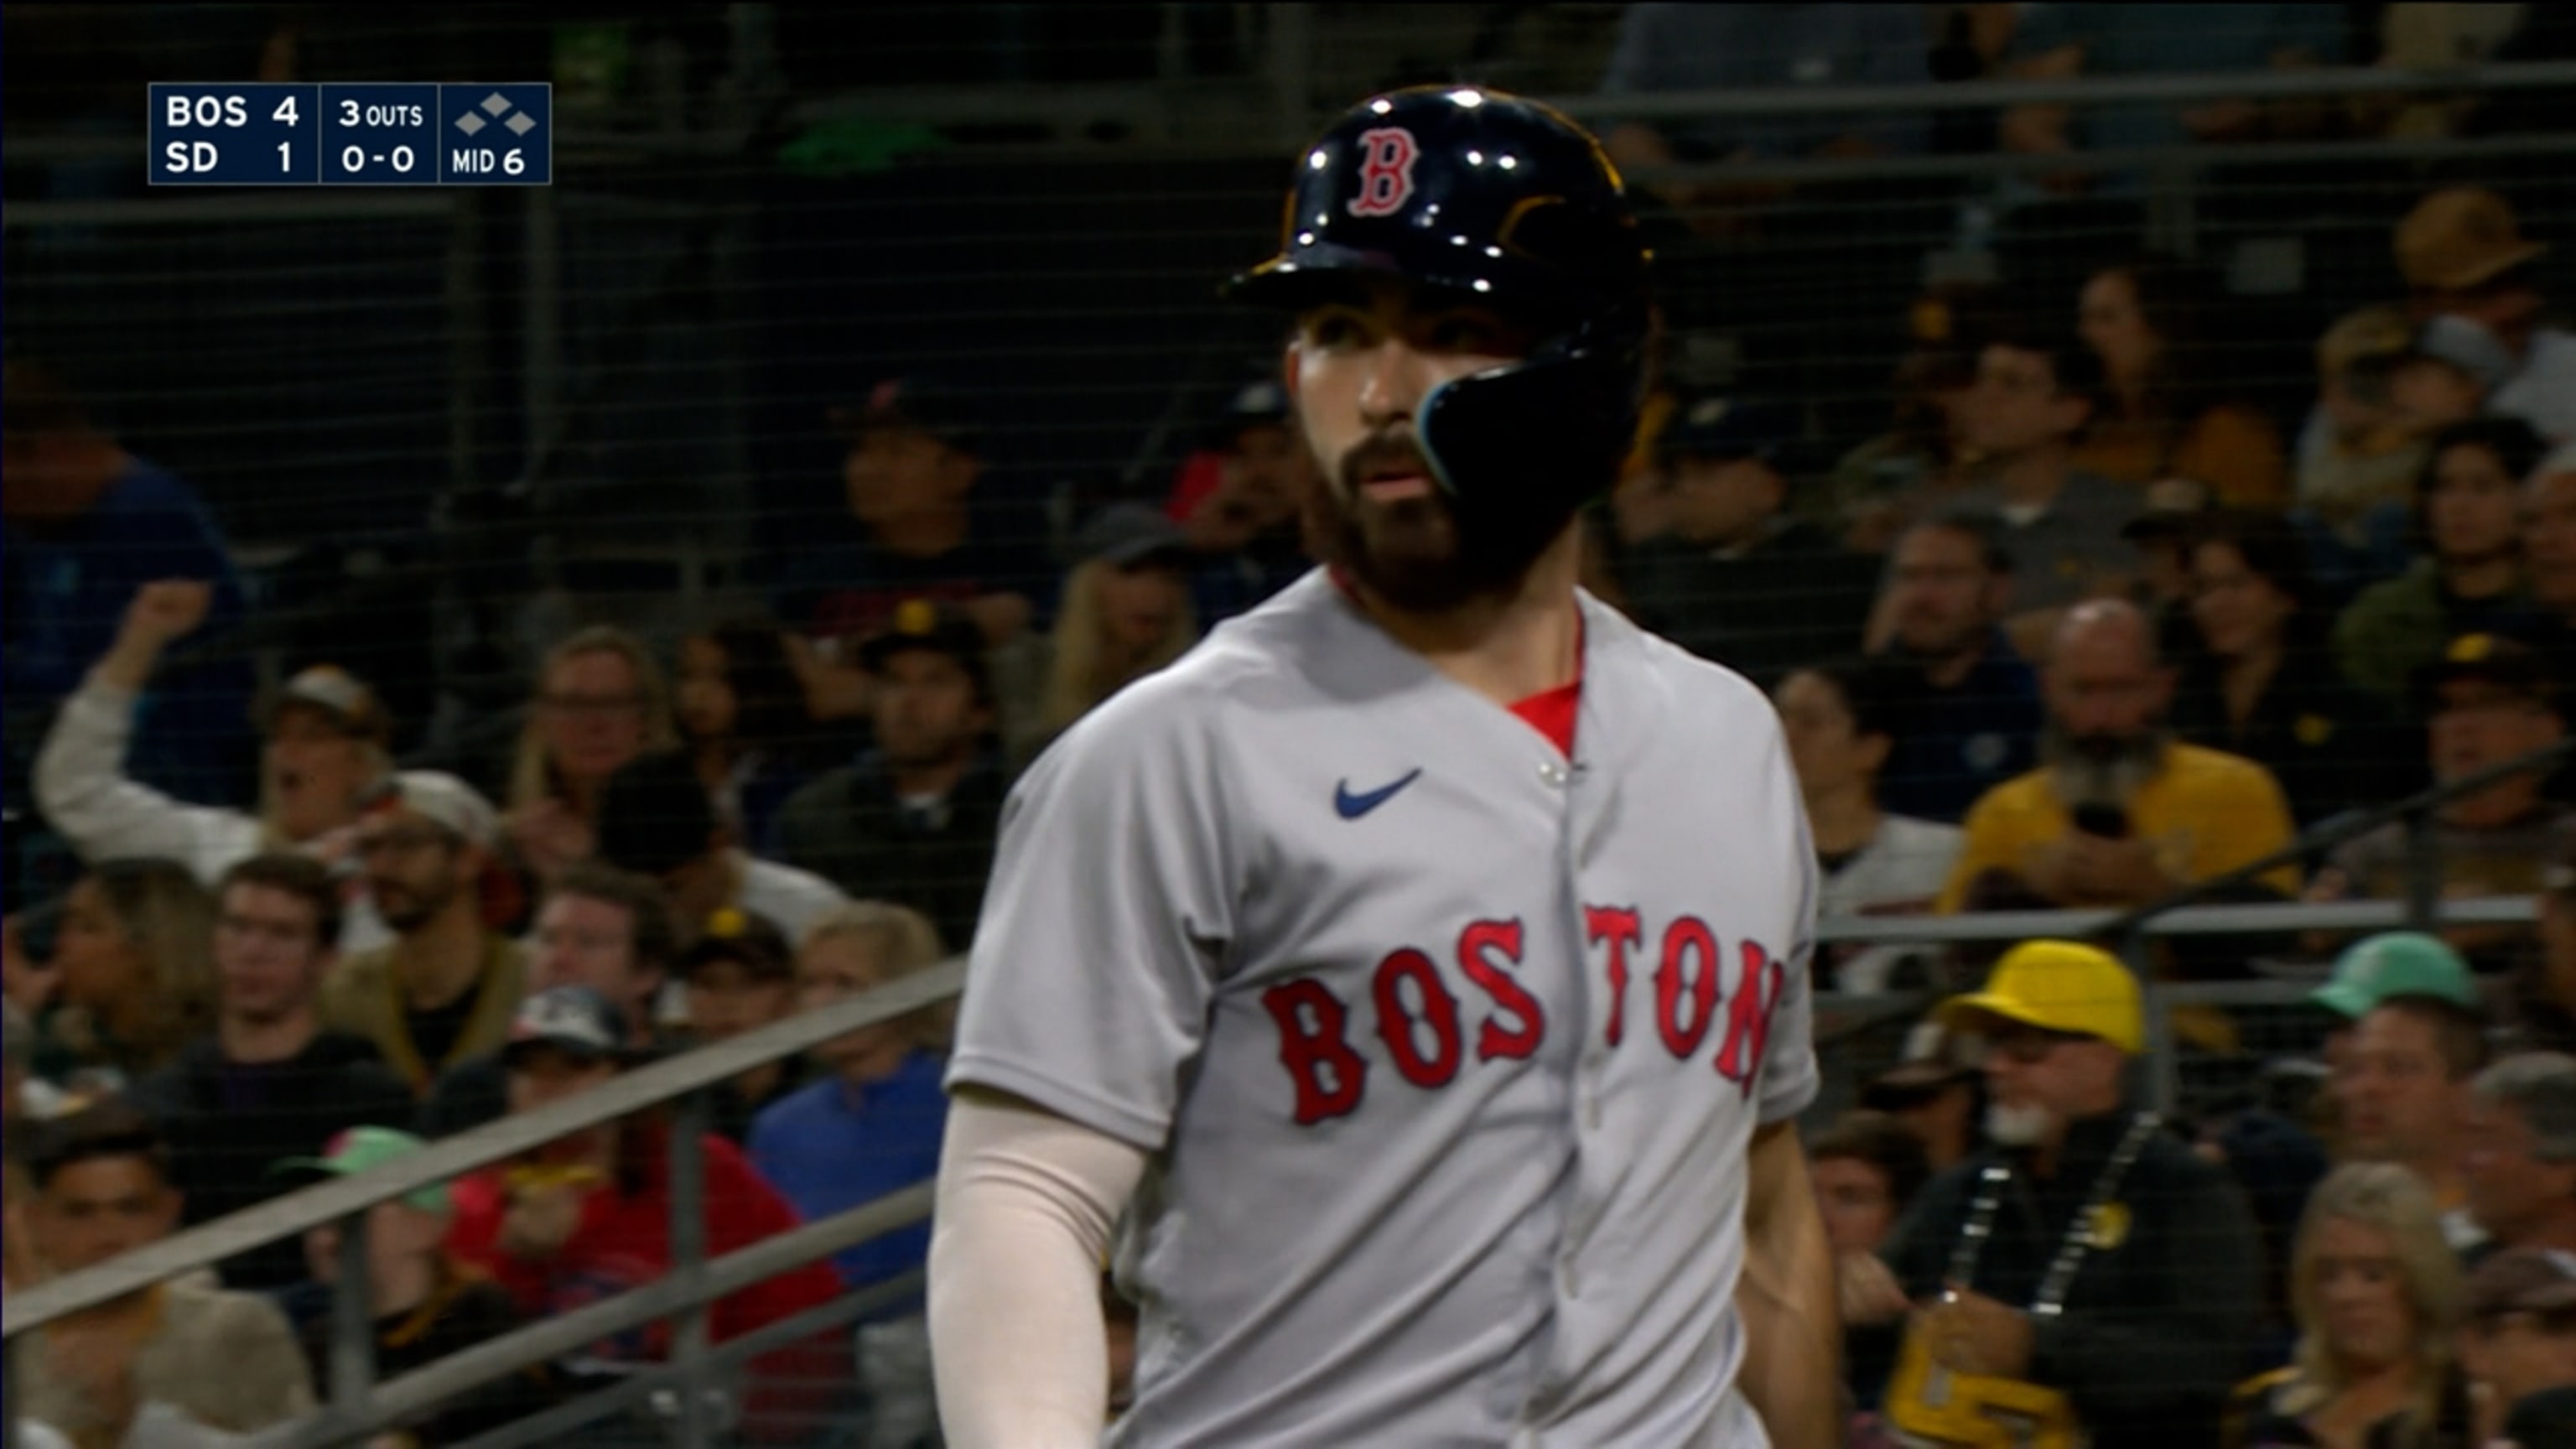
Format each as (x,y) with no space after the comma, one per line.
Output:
(1883,1142)
(648,911)
(2458,1033)
(300,876)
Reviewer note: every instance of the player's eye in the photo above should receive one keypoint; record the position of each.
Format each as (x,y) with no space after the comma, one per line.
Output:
(1464,332)
(1336,327)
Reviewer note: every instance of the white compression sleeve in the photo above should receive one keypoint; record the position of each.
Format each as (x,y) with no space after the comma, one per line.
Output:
(1026,1202)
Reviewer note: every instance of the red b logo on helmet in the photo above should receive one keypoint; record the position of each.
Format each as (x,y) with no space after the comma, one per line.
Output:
(1386,171)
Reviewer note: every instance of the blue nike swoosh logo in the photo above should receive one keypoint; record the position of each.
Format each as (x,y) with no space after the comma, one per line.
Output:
(1352,807)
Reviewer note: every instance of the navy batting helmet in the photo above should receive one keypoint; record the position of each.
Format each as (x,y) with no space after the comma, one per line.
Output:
(1506,202)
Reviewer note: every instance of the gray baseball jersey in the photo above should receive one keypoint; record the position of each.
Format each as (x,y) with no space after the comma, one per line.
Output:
(1448,1048)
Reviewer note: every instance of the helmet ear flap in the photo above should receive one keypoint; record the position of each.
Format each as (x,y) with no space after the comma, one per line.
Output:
(1543,435)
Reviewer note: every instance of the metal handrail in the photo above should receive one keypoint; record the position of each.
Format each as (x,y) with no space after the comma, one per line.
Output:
(28,1309)
(2414,809)
(551,1338)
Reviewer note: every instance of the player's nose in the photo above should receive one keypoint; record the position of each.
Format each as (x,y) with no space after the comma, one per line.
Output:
(1394,382)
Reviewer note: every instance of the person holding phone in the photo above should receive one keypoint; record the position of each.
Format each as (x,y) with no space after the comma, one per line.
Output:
(2119,812)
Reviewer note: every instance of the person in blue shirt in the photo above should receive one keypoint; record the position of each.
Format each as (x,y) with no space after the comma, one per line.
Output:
(1968,707)
(87,523)
(870,1126)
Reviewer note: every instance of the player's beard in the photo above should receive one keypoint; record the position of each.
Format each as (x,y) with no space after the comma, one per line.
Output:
(1423,554)
(2024,1124)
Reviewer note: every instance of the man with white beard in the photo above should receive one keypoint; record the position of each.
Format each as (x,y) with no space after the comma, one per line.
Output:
(2086,1273)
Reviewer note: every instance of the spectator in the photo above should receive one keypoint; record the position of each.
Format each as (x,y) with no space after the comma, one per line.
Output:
(2277,1164)
(1839,722)
(913,820)
(2520,1345)
(1867,1169)
(600,928)
(2390,964)
(2520,1166)
(2036,393)
(1245,526)
(2402,1096)
(1938,1091)
(2060,42)
(2119,813)
(589,1215)
(87,525)
(2262,685)
(2377,1294)
(2549,555)
(426,1305)
(916,453)
(1126,614)
(742,715)
(325,742)
(739,977)
(873,1125)
(655,821)
(2148,324)
(219,1360)
(1737,578)
(2544,995)
(2362,450)
(135,959)
(1698,47)
(600,703)
(2464,258)
(2488,704)
(18,1265)
(2118,1347)
(443,989)
(269,1081)
(2466,504)
(2173,514)
(1967,707)
(1914,469)
(870,1127)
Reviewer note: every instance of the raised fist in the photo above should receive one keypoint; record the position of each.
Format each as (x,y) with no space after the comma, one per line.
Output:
(168,609)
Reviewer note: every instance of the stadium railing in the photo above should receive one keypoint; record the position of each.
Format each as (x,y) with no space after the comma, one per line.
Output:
(360,1406)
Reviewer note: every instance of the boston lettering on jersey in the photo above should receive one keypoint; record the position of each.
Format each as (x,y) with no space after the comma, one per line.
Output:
(1420,1021)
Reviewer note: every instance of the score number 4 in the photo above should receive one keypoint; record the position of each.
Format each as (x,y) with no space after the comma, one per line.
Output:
(286,115)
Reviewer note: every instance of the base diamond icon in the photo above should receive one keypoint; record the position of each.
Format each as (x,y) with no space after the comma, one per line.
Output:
(469,123)
(496,103)
(520,124)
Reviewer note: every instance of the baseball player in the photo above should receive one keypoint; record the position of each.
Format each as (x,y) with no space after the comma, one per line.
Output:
(1419,966)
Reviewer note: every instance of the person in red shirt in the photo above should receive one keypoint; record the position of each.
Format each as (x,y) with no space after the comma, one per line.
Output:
(588,1216)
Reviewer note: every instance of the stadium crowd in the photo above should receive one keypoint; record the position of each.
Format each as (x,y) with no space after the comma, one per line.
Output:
(2083,627)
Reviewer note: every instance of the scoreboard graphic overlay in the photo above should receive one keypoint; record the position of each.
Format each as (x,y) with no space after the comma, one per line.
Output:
(499,134)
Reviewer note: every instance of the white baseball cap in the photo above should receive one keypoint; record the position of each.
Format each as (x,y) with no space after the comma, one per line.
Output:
(440,797)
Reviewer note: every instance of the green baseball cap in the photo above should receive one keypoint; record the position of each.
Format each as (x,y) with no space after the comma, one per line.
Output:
(359,1149)
(2396,963)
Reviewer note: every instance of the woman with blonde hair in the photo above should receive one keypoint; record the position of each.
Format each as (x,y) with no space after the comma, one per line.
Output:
(600,702)
(2377,1292)
(324,743)
(1126,613)
(135,971)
